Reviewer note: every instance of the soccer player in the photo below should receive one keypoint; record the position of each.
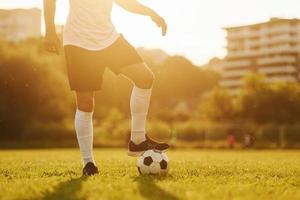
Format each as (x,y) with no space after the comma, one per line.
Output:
(91,43)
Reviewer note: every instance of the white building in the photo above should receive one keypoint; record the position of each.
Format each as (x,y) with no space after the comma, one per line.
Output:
(271,48)
(19,24)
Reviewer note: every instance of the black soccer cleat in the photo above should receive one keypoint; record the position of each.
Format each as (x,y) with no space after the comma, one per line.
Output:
(90,169)
(137,150)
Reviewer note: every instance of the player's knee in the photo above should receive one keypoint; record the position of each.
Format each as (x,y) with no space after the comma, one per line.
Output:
(145,81)
(85,103)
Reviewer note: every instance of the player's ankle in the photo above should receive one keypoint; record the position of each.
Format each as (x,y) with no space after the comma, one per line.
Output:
(138,139)
(88,160)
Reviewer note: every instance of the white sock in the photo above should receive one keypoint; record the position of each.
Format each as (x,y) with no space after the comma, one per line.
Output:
(84,132)
(139,105)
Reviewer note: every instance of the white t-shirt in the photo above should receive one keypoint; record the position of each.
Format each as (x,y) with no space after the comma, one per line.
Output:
(89,24)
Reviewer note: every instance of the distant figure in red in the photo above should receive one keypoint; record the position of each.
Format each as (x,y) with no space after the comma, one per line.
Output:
(231,140)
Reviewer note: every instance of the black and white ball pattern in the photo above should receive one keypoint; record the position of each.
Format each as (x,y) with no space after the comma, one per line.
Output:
(153,162)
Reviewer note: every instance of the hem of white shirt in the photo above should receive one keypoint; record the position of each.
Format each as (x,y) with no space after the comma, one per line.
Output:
(105,45)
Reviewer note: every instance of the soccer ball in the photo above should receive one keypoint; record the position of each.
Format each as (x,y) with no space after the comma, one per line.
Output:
(153,162)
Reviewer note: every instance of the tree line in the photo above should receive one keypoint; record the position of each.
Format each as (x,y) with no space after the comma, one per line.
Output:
(34,88)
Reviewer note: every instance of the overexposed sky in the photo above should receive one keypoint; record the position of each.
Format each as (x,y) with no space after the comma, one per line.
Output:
(195,26)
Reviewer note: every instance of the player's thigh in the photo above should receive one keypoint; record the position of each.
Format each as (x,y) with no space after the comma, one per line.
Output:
(140,74)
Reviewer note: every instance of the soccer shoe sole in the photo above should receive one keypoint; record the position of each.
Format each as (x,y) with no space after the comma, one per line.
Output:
(139,153)
(135,153)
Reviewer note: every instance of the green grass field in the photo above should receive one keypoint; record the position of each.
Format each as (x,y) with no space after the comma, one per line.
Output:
(195,174)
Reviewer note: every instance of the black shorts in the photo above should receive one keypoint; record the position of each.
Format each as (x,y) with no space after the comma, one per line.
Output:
(86,68)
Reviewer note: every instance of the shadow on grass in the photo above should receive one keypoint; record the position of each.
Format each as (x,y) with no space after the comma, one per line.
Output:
(67,190)
(149,190)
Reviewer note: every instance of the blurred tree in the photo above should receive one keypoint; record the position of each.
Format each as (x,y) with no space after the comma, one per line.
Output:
(178,79)
(263,102)
(259,102)
(218,106)
(30,88)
